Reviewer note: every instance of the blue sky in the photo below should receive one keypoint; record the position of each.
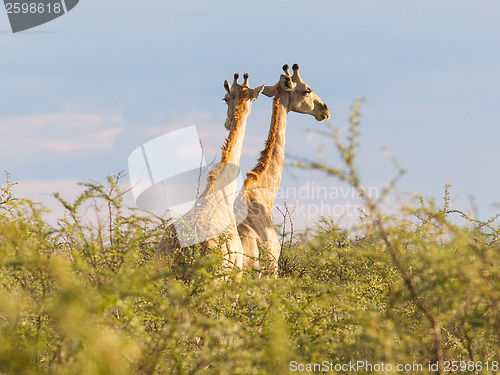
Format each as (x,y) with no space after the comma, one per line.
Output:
(80,93)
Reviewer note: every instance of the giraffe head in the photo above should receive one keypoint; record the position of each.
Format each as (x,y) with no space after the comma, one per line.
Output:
(239,98)
(302,98)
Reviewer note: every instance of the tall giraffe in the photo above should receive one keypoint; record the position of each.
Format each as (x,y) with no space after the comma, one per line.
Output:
(212,214)
(257,231)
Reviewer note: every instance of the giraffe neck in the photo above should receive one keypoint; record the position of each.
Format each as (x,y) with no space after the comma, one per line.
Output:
(227,170)
(231,151)
(263,181)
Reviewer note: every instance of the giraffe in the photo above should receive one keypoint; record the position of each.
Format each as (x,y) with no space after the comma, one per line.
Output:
(257,232)
(212,214)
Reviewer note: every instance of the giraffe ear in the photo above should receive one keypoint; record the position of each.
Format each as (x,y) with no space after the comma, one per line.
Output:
(269,91)
(256,92)
(226,86)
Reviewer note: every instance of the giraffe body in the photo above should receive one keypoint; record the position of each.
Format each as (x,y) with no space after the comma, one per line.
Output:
(211,222)
(257,231)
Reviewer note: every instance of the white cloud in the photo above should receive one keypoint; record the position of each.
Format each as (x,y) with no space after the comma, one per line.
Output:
(67,131)
(42,191)
(102,140)
(211,131)
(199,119)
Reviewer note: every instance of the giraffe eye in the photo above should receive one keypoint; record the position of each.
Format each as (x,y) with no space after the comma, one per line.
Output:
(307,91)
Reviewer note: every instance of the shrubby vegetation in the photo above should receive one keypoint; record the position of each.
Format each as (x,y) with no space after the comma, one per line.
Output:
(86,297)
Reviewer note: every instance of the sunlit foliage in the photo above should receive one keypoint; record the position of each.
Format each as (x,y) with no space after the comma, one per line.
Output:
(86,297)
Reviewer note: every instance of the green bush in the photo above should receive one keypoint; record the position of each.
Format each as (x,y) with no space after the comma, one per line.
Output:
(86,297)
